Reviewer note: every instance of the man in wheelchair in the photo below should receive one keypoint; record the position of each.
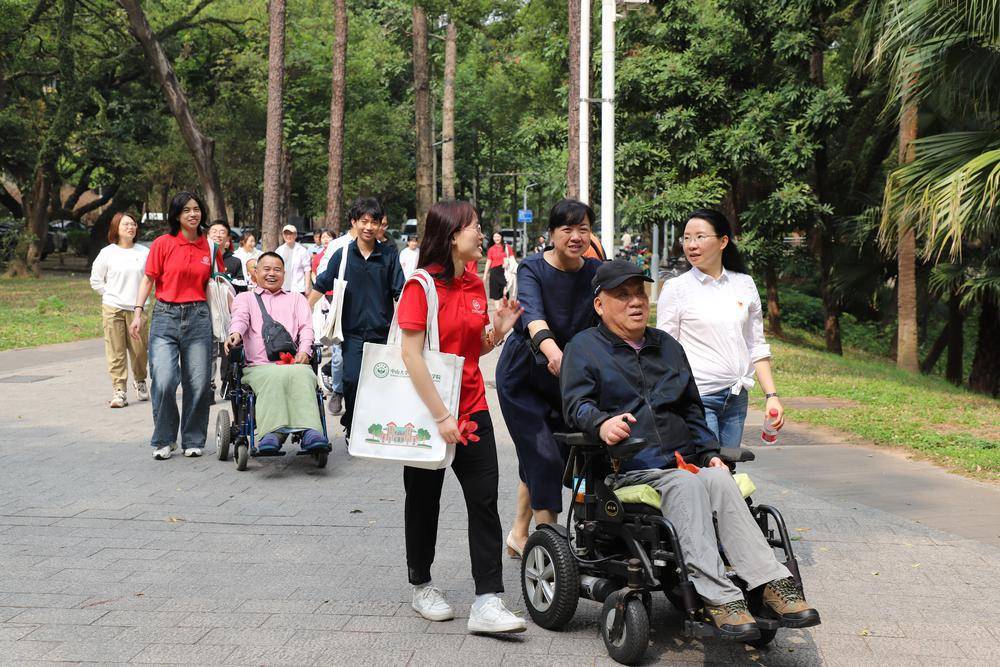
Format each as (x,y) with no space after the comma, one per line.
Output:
(285,392)
(623,379)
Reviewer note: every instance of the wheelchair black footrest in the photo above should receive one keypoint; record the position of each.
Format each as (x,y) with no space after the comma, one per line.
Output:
(314,450)
(699,630)
(767,623)
(267,453)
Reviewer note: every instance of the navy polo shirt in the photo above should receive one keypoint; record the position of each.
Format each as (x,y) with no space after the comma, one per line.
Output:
(373,285)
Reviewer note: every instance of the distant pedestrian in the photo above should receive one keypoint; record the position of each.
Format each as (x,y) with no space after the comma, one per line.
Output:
(322,258)
(409,256)
(220,234)
(298,262)
(116,275)
(180,330)
(247,251)
(451,239)
(374,281)
(714,312)
(493,272)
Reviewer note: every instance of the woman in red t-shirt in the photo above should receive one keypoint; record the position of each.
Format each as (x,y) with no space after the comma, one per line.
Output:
(180,330)
(452,237)
(494,271)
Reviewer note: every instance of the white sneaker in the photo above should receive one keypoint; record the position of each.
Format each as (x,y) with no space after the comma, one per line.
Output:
(192,451)
(119,400)
(493,617)
(142,391)
(429,602)
(162,453)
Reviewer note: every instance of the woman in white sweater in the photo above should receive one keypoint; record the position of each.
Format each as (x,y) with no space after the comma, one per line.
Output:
(116,274)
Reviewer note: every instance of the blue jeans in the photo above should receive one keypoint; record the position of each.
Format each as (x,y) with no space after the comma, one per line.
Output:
(337,369)
(180,353)
(725,414)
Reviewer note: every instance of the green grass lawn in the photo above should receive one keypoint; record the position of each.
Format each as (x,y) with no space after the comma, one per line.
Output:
(57,308)
(926,414)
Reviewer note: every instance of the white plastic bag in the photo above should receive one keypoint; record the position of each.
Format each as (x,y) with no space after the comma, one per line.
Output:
(391,422)
(219,294)
(333,325)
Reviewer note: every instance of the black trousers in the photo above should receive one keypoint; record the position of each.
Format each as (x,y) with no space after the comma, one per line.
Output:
(476,468)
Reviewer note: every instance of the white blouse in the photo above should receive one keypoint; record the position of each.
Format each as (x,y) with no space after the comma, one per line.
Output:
(116,274)
(720,325)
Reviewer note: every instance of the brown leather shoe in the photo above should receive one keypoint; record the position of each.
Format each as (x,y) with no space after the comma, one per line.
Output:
(733,620)
(783,599)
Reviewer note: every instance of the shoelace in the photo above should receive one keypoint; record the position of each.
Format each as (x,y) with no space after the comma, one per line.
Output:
(786,590)
(736,607)
(431,594)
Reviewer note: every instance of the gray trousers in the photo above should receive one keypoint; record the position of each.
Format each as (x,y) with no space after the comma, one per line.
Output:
(689,501)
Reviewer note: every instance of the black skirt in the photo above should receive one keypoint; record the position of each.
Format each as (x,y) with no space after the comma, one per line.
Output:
(498,283)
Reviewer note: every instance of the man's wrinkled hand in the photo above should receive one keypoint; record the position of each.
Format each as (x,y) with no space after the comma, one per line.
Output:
(302,358)
(716,462)
(616,429)
(234,340)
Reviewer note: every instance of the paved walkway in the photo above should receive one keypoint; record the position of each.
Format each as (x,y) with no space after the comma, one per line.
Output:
(110,557)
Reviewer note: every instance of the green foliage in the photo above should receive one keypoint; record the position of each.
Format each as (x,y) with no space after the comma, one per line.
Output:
(375,429)
(51,309)
(78,241)
(423,434)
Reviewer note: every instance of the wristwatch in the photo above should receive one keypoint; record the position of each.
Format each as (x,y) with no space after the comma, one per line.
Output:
(774,395)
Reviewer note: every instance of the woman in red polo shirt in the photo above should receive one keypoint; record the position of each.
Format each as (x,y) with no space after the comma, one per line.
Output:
(180,331)
(452,238)
(496,257)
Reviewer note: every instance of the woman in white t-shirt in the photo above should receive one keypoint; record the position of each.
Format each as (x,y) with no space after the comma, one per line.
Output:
(247,251)
(714,312)
(116,275)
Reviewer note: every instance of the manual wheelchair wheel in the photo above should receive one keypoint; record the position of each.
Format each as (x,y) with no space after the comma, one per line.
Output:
(320,458)
(223,434)
(629,644)
(550,580)
(242,456)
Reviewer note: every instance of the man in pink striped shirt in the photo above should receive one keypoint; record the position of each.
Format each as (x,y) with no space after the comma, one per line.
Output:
(286,394)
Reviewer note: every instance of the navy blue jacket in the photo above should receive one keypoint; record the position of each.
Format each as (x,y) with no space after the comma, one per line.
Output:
(373,285)
(603,376)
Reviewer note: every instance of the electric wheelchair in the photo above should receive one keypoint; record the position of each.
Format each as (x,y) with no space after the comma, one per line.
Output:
(620,553)
(238,432)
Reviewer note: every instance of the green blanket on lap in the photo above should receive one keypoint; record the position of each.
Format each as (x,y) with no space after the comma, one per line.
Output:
(286,397)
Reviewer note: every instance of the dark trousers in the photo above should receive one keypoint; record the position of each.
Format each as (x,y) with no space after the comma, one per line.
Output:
(476,468)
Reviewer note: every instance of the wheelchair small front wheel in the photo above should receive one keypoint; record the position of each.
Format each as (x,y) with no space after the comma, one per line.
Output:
(242,456)
(223,434)
(550,580)
(321,458)
(625,628)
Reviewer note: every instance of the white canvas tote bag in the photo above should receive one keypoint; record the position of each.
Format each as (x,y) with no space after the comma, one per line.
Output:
(219,294)
(390,421)
(333,326)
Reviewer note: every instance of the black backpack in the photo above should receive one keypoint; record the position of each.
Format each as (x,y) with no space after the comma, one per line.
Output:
(276,336)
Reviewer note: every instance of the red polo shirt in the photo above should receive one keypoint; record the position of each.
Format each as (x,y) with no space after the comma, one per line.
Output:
(180,268)
(496,254)
(462,318)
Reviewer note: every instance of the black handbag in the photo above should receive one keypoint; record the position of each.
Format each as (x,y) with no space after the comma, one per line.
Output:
(275,335)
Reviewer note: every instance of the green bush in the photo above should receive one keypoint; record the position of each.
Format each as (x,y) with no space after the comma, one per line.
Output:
(78,241)
(50,304)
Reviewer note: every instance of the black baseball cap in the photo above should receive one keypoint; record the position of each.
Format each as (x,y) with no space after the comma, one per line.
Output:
(612,274)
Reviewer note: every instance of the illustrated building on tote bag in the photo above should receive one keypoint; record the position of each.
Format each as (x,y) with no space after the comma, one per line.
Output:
(400,436)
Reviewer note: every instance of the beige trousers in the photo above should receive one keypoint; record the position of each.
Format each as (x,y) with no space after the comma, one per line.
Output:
(118,346)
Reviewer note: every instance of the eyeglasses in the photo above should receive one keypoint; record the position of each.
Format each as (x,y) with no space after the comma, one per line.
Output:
(475,228)
(700,238)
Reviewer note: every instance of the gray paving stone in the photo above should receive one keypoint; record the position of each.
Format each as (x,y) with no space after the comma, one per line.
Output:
(9,632)
(86,651)
(244,636)
(75,633)
(182,654)
(14,652)
(44,616)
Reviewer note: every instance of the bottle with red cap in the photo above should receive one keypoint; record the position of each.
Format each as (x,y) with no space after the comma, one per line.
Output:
(770,434)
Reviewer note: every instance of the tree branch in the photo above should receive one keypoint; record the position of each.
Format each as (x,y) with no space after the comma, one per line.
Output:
(109,194)
(8,200)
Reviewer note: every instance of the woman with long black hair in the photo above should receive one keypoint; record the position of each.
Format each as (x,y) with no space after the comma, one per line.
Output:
(452,238)
(558,301)
(714,312)
(180,330)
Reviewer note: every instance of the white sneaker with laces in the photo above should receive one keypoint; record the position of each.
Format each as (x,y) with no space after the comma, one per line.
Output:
(192,452)
(429,602)
(119,400)
(492,617)
(162,453)
(142,391)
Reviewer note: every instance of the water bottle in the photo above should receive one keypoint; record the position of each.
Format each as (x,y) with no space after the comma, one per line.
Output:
(770,434)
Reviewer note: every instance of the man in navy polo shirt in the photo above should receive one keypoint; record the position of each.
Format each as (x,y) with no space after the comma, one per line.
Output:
(374,282)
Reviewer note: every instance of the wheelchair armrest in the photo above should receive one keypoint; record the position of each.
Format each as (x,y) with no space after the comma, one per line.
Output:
(581,440)
(627,449)
(236,355)
(736,455)
(317,357)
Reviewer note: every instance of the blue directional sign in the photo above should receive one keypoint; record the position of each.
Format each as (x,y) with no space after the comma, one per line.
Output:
(525,215)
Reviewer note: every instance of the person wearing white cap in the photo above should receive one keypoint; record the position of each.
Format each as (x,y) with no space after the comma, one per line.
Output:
(298,262)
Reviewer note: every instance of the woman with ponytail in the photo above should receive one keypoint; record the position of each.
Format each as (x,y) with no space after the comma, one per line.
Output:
(714,312)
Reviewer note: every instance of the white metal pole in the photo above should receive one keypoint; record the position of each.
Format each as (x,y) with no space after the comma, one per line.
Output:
(584,101)
(608,127)
(654,268)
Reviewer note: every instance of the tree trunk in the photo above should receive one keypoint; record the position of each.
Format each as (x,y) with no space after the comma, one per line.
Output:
(38,220)
(985,375)
(274,140)
(940,343)
(573,102)
(284,205)
(201,146)
(335,171)
(956,340)
(448,114)
(906,284)
(773,309)
(422,113)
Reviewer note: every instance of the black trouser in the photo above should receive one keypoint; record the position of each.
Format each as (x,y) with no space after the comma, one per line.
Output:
(476,468)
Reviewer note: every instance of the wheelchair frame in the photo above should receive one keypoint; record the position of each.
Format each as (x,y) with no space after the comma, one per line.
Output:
(243,401)
(652,559)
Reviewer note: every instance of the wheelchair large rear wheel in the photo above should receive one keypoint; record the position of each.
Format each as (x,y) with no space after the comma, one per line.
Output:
(550,580)
(223,434)
(242,455)
(628,645)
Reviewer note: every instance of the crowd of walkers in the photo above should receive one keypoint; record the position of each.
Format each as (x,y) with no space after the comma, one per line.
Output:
(531,308)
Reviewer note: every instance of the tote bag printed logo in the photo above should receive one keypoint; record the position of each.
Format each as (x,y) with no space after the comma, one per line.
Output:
(381,370)
(393,434)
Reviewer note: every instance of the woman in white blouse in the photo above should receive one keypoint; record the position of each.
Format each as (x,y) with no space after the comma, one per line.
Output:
(115,275)
(714,312)
(246,252)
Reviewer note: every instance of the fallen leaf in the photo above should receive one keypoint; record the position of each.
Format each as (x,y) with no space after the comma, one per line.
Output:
(802,530)
(915,565)
(795,538)
(174,519)
(355,511)
(864,632)
(824,548)
(874,573)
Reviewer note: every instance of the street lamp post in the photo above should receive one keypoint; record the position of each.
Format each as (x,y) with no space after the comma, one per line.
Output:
(524,225)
